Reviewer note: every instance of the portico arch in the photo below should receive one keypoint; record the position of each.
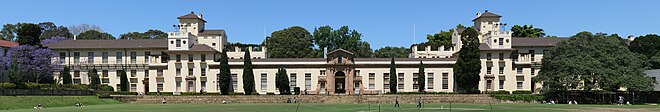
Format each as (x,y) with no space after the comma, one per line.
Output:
(340,82)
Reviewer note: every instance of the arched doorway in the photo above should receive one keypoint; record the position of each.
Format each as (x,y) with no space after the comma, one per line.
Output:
(340,82)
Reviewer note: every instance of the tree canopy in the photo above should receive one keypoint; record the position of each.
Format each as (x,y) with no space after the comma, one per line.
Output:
(248,74)
(150,34)
(392,52)
(593,61)
(32,64)
(94,35)
(526,31)
(468,65)
(282,81)
(224,77)
(649,46)
(77,29)
(393,78)
(343,38)
(292,42)
(28,34)
(51,30)
(443,38)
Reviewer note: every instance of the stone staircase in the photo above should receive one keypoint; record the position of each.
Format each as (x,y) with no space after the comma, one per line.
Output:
(347,99)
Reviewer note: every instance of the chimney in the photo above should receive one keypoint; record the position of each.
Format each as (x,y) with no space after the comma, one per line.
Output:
(200,15)
(478,14)
(325,52)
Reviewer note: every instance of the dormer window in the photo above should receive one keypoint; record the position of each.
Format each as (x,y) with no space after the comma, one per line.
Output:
(501,41)
(178,43)
(339,59)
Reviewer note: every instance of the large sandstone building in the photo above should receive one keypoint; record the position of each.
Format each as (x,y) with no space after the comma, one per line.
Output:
(187,62)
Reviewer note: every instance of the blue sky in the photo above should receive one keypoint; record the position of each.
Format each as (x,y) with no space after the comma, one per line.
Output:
(382,22)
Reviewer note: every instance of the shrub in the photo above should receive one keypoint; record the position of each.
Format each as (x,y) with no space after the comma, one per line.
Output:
(236,93)
(161,93)
(296,90)
(517,97)
(106,88)
(7,85)
(420,93)
(123,93)
(270,93)
(498,92)
(522,92)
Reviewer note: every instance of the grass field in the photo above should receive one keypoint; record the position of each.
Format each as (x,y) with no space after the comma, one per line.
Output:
(21,102)
(343,108)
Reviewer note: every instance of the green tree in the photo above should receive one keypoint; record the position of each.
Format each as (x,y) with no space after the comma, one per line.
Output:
(123,81)
(95,81)
(649,46)
(150,34)
(28,34)
(393,78)
(392,52)
(94,35)
(66,76)
(526,31)
(8,32)
(224,75)
(440,39)
(292,42)
(343,38)
(468,65)
(248,74)
(52,30)
(592,61)
(421,78)
(282,81)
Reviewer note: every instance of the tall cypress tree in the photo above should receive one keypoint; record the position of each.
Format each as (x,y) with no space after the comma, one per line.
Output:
(468,65)
(248,74)
(123,81)
(421,78)
(393,80)
(224,76)
(66,76)
(282,81)
(95,81)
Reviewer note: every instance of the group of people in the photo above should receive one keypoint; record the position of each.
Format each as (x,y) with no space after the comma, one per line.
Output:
(419,102)
(288,100)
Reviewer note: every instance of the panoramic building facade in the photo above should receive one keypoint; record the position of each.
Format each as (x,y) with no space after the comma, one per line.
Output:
(187,61)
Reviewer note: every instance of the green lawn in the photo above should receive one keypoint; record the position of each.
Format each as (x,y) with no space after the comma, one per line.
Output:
(341,108)
(22,102)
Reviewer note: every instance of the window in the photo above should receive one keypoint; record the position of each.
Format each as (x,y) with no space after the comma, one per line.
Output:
(372,80)
(213,44)
(118,74)
(178,86)
(90,57)
(178,71)
(308,81)
(519,70)
(501,70)
(501,56)
(190,72)
(120,55)
(133,73)
(429,81)
(489,84)
(178,57)
(178,43)
(76,73)
(159,87)
(264,81)
(415,83)
(322,72)
(400,81)
(655,80)
(76,57)
(445,80)
(533,71)
(159,72)
(133,87)
(386,80)
(146,73)
(104,73)
(133,57)
(488,56)
(339,59)
(190,57)
(203,70)
(105,80)
(501,42)
(105,57)
(146,57)
(519,82)
(501,85)
(531,55)
(234,81)
(203,57)
(203,84)
(293,81)
(76,81)
(489,70)
(62,57)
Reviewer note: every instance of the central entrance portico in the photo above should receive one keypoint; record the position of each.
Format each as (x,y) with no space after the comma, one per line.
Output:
(341,78)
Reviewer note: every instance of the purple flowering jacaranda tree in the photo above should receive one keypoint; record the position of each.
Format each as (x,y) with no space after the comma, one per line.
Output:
(30,64)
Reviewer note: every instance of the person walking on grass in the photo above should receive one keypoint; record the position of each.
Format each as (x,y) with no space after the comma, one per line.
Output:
(396,102)
(419,102)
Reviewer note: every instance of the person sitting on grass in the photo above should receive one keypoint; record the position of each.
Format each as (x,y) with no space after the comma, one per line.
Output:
(164,101)
(79,104)
(39,106)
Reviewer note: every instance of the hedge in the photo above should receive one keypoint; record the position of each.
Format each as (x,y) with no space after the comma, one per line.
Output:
(8,85)
(522,92)
(420,93)
(517,97)
(498,92)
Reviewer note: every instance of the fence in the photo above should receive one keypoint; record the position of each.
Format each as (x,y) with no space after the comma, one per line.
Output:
(39,92)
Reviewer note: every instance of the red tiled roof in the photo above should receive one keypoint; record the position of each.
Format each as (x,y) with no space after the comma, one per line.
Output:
(4,43)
